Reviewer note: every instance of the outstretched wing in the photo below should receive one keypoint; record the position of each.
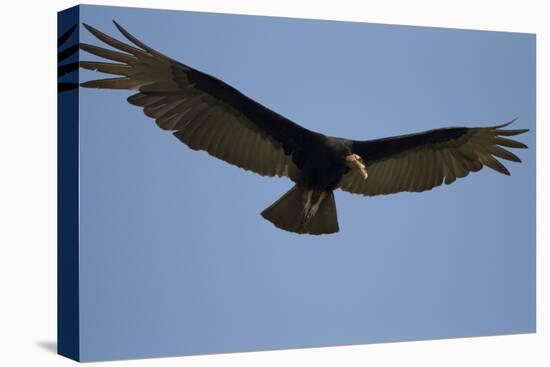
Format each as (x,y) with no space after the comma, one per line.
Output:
(419,162)
(202,111)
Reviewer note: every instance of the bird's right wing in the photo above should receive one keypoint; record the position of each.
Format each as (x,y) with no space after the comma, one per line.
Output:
(421,161)
(203,112)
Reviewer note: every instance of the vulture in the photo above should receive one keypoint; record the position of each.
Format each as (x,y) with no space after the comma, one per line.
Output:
(207,114)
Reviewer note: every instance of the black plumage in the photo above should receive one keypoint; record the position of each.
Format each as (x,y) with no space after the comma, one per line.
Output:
(207,114)
(64,52)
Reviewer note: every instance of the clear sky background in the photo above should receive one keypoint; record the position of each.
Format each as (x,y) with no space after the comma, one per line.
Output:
(175,258)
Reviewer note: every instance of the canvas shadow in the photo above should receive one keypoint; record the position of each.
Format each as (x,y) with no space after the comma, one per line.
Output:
(48,345)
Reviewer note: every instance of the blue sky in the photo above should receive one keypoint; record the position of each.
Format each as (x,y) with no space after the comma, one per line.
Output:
(175,258)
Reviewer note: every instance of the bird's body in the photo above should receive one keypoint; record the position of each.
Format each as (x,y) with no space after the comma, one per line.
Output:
(325,166)
(207,114)
(311,201)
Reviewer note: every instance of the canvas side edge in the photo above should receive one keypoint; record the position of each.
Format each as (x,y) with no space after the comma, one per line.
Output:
(68,326)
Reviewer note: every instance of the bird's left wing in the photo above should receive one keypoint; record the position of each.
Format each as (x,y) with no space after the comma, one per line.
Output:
(419,162)
(202,111)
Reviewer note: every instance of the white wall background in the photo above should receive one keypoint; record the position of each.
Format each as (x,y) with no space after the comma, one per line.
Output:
(28,182)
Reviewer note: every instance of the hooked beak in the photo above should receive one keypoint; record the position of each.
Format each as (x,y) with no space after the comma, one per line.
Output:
(355,162)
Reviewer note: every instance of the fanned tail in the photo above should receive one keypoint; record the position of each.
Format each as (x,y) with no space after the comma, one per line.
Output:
(304,211)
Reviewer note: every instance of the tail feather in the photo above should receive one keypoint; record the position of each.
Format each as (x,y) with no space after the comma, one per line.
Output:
(296,212)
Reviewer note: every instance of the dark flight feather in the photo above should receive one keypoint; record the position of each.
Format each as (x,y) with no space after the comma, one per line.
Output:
(62,55)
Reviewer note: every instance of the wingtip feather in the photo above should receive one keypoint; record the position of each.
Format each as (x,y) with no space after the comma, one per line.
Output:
(89,27)
(133,39)
(118,26)
(505,124)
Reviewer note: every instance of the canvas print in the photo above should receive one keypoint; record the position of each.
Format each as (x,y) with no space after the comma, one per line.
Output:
(247,183)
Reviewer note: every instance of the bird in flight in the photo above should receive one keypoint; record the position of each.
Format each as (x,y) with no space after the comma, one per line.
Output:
(207,114)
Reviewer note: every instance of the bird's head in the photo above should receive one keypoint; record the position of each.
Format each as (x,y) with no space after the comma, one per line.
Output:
(355,162)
